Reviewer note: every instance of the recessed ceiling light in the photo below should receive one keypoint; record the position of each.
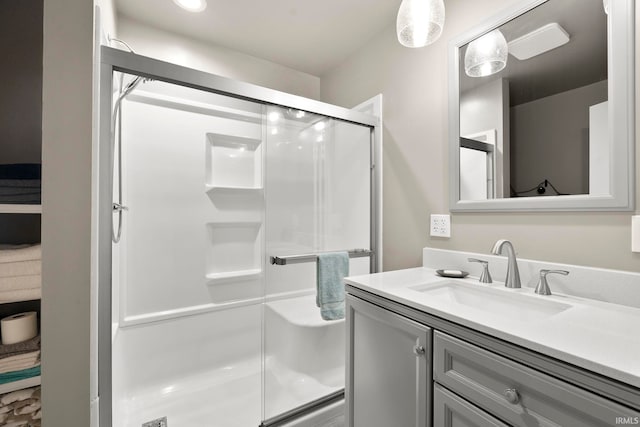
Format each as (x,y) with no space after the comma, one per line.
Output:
(192,5)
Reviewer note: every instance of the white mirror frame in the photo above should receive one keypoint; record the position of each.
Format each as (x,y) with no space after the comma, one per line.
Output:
(621,96)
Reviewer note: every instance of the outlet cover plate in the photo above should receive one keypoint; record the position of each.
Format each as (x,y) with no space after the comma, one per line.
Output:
(440,226)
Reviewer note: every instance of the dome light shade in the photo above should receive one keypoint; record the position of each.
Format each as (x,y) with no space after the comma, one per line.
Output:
(486,55)
(420,22)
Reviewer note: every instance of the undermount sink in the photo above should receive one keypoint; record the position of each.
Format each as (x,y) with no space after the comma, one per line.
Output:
(500,302)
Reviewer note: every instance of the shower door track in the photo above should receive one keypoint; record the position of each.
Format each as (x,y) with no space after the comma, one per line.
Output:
(115,60)
(303,410)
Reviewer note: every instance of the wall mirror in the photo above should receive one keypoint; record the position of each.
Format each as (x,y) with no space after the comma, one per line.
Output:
(541,109)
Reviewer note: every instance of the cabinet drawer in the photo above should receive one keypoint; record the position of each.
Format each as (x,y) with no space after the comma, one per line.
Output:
(484,378)
(449,410)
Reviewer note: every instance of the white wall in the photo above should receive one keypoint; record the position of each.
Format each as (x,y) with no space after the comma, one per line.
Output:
(414,85)
(175,232)
(550,134)
(159,44)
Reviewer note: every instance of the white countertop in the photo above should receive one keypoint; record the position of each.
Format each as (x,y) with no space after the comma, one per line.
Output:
(600,337)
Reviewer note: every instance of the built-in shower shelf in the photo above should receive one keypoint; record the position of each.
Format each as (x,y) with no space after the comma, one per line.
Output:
(234,275)
(234,160)
(233,190)
(19,385)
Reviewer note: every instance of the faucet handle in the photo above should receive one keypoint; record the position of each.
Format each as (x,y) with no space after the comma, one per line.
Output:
(543,285)
(485,277)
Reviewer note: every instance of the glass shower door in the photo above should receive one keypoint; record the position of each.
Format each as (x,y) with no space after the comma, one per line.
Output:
(318,199)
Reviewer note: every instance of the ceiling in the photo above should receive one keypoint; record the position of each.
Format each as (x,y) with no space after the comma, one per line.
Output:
(580,62)
(312,36)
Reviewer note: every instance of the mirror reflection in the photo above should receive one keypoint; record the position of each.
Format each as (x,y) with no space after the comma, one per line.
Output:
(533,105)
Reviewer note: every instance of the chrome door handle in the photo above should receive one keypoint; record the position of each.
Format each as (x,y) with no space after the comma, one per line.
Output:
(512,395)
(117,207)
(419,350)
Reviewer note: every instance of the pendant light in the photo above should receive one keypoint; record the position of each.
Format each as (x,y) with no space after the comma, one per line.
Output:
(194,6)
(420,22)
(486,55)
(605,4)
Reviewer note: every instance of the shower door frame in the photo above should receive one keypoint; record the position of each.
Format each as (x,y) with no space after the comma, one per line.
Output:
(115,60)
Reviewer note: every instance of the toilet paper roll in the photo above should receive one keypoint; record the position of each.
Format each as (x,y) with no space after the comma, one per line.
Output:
(19,327)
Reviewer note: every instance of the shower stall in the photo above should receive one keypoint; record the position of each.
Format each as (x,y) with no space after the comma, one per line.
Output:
(215,198)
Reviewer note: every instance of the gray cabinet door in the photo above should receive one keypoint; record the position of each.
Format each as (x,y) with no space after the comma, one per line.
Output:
(449,410)
(388,368)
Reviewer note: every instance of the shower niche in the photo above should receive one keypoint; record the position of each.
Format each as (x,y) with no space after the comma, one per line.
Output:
(233,171)
(234,252)
(234,163)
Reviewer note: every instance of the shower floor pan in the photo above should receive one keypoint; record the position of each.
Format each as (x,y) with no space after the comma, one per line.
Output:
(224,397)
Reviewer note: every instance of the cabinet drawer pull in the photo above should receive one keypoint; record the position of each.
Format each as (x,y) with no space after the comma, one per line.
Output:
(512,395)
(418,350)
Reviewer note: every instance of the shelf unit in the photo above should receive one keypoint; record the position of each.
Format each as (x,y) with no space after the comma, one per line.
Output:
(19,385)
(21,222)
(13,307)
(234,169)
(7,208)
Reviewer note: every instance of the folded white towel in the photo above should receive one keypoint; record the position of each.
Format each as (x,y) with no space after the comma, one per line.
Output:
(20,367)
(11,364)
(18,395)
(28,409)
(21,268)
(31,355)
(20,295)
(20,282)
(20,421)
(20,253)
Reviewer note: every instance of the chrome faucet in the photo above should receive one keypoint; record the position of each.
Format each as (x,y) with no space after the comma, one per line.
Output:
(513,275)
(485,277)
(543,285)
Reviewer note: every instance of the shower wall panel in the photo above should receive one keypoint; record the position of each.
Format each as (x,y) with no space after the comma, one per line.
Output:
(182,231)
(187,273)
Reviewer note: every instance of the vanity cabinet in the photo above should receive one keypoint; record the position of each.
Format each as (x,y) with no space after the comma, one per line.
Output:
(391,381)
(388,367)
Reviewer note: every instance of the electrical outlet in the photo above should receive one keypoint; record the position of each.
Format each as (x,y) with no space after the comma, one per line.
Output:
(440,225)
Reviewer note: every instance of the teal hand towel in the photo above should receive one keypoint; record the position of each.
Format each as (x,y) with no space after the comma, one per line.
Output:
(332,268)
(9,377)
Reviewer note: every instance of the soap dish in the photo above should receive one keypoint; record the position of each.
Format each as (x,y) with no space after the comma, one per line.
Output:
(458,274)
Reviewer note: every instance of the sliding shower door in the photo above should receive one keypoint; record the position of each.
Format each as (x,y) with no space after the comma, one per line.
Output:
(187,272)
(318,199)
